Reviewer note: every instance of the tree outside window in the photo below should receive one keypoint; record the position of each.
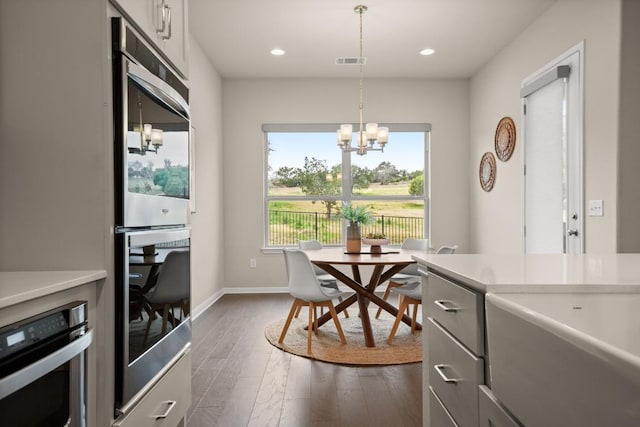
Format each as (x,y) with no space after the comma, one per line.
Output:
(308,179)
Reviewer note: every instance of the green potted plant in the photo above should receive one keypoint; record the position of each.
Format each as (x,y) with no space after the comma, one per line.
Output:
(357,216)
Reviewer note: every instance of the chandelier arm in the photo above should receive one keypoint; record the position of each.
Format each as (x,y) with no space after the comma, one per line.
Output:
(361,140)
(372,133)
(142,141)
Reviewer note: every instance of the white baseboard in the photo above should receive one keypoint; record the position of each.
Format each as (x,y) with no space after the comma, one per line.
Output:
(206,304)
(270,290)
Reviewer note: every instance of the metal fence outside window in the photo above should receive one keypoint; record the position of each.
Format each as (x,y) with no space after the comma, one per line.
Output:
(287,227)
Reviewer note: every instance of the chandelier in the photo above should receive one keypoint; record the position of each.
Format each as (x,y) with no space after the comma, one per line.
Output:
(368,136)
(150,138)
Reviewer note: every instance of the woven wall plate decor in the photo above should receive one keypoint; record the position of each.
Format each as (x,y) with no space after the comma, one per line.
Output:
(505,138)
(487,171)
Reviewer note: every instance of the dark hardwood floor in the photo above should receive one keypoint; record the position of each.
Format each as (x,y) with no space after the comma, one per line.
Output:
(239,379)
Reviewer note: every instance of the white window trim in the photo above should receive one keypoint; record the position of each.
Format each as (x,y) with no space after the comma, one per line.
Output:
(346,165)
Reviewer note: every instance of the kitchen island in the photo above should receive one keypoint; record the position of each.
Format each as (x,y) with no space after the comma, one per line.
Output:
(555,307)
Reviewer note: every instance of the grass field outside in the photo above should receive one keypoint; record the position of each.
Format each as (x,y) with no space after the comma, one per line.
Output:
(293,220)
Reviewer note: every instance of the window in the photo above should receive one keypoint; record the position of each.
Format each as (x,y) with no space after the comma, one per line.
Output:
(308,179)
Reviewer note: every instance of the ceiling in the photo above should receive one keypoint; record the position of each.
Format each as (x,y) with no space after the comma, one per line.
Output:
(237,35)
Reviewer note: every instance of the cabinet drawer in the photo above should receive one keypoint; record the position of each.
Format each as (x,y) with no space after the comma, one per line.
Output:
(170,396)
(492,413)
(454,374)
(438,415)
(459,310)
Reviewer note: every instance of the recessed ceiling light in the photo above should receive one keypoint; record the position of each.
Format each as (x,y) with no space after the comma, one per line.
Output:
(277,52)
(427,51)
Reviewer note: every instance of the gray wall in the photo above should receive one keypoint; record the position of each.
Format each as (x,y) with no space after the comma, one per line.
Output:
(250,103)
(207,252)
(496,217)
(54,171)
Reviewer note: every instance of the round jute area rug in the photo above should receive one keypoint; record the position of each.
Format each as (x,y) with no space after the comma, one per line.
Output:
(326,345)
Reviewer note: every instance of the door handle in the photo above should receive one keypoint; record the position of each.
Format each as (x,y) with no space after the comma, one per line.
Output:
(168,36)
(170,404)
(572,232)
(41,367)
(163,18)
(440,370)
(443,305)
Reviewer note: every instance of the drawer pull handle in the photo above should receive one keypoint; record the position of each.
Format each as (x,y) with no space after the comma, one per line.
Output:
(441,304)
(440,370)
(170,404)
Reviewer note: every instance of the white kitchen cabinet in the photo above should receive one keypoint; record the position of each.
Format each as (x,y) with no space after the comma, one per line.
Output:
(166,404)
(454,350)
(455,373)
(438,415)
(164,24)
(551,358)
(492,412)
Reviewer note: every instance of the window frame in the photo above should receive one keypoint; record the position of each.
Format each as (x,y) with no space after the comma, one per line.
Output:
(347,195)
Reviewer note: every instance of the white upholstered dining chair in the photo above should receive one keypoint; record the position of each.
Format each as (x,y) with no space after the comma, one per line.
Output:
(306,290)
(447,249)
(325,279)
(170,292)
(410,273)
(409,295)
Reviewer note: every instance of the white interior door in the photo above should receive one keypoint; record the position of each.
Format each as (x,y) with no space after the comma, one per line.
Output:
(552,121)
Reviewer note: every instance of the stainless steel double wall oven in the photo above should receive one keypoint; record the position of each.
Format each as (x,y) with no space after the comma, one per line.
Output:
(152,237)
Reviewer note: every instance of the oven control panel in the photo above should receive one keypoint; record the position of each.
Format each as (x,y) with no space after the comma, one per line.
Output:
(38,329)
(25,335)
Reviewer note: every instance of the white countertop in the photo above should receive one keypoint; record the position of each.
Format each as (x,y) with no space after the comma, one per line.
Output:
(540,273)
(20,286)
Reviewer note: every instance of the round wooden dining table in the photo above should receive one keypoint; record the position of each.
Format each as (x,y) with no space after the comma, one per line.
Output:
(385,265)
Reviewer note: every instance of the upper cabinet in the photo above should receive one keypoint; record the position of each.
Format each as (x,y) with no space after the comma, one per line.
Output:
(164,23)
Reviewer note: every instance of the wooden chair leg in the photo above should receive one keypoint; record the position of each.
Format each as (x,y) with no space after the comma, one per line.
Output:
(400,297)
(165,317)
(315,317)
(152,317)
(346,313)
(298,311)
(386,295)
(334,315)
(312,310)
(394,329)
(295,307)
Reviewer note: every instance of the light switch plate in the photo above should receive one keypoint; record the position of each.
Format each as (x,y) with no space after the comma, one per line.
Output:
(596,208)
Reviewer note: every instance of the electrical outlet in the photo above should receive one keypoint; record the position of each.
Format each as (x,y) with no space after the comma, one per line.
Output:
(596,208)
(252,263)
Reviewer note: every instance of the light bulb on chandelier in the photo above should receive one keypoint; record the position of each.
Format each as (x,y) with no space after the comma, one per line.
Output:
(149,137)
(368,136)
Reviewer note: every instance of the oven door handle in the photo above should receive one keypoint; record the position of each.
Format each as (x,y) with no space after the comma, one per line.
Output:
(158,89)
(25,376)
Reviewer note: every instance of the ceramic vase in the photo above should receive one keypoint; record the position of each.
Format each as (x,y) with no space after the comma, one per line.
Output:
(354,237)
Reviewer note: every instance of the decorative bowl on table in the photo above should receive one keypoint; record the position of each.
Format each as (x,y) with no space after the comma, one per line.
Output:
(375,244)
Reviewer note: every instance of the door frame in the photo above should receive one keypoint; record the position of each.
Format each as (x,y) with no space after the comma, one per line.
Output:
(575,136)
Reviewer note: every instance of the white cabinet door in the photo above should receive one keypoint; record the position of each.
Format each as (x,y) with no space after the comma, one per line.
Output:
(143,13)
(164,24)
